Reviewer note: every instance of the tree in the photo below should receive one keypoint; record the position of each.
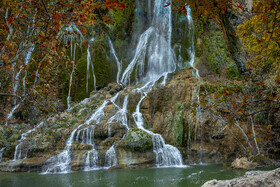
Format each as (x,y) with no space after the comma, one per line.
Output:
(260,36)
(31,53)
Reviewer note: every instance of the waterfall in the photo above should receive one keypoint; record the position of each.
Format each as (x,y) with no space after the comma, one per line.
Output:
(153,55)
(89,62)
(27,58)
(153,60)
(111,157)
(120,115)
(22,154)
(166,155)
(70,86)
(119,65)
(195,101)
(71,36)
(91,160)
(1,153)
(61,163)
(86,135)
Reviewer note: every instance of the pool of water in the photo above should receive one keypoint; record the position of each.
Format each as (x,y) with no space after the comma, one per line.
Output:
(188,177)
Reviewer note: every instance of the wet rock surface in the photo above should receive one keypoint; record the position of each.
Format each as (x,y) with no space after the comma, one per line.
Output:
(242,163)
(251,179)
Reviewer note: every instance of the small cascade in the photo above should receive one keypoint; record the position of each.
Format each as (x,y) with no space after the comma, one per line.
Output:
(111,157)
(70,85)
(119,65)
(120,116)
(85,135)
(22,154)
(27,58)
(61,163)
(195,102)
(71,36)
(1,153)
(91,160)
(89,62)
(166,155)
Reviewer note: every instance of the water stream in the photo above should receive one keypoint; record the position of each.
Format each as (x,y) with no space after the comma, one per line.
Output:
(152,62)
(119,64)
(22,153)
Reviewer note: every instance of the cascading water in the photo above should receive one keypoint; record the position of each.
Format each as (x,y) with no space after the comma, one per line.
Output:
(195,102)
(70,35)
(166,155)
(22,154)
(119,65)
(1,153)
(153,60)
(70,86)
(27,58)
(86,135)
(89,62)
(121,116)
(111,157)
(61,163)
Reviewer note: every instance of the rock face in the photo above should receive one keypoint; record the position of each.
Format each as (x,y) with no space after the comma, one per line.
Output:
(135,150)
(242,163)
(251,179)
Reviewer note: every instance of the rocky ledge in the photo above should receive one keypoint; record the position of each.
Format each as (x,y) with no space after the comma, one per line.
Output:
(251,178)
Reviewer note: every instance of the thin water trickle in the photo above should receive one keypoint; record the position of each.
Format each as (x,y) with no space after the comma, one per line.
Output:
(22,154)
(119,65)
(1,153)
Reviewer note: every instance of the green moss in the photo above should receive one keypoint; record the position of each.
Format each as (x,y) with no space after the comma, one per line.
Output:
(212,45)
(14,138)
(178,127)
(209,88)
(232,71)
(138,140)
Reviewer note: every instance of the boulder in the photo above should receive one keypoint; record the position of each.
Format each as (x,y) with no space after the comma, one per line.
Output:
(101,130)
(251,178)
(242,163)
(137,140)
(115,87)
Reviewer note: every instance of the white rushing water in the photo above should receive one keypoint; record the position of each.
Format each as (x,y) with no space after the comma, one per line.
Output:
(89,62)
(166,155)
(121,114)
(73,38)
(152,62)
(111,157)
(21,153)
(119,64)
(70,86)
(1,153)
(61,163)
(154,59)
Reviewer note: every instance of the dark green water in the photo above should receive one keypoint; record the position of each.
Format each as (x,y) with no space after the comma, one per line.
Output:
(187,177)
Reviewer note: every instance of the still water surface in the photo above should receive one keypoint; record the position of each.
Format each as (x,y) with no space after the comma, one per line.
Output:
(188,177)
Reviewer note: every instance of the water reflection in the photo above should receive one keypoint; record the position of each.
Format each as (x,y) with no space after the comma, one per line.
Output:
(192,176)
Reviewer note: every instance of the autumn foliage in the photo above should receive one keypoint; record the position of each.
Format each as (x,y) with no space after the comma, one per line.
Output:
(33,27)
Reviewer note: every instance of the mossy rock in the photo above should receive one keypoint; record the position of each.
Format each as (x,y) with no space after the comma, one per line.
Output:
(178,128)
(137,140)
(14,138)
